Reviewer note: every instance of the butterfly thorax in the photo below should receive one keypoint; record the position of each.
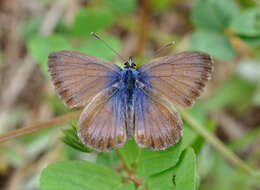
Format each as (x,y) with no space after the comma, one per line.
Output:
(129,79)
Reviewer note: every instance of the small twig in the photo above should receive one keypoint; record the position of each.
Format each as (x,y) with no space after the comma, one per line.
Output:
(52,17)
(142,26)
(130,172)
(38,126)
(217,144)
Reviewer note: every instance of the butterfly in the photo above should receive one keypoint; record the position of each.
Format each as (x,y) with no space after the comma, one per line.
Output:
(129,102)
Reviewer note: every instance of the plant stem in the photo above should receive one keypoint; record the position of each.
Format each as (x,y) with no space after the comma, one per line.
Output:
(41,125)
(130,172)
(142,26)
(217,144)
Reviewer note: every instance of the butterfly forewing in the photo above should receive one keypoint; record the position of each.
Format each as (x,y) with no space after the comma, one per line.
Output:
(78,77)
(102,123)
(120,104)
(157,123)
(181,77)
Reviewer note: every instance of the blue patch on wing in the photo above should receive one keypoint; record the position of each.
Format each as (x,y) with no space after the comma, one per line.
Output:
(144,77)
(113,77)
(119,104)
(141,102)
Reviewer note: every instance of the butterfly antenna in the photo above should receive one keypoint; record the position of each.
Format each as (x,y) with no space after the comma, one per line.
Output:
(164,47)
(98,37)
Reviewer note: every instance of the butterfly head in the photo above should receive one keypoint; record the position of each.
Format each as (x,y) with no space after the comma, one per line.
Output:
(130,63)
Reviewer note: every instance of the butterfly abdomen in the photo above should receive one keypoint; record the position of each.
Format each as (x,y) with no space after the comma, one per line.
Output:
(128,87)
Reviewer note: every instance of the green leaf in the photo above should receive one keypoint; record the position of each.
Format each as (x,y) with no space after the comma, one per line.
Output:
(152,162)
(71,139)
(232,93)
(214,14)
(163,180)
(189,136)
(130,152)
(179,177)
(205,15)
(197,145)
(96,48)
(141,188)
(198,111)
(121,6)
(126,186)
(184,172)
(108,158)
(228,8)
(247,23)
(79,175)
(91,20)
(214,43)
(41,46)
(252,41)
(197,182)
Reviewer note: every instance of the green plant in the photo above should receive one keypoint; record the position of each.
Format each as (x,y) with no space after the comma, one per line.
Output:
(217,24)
(145,168)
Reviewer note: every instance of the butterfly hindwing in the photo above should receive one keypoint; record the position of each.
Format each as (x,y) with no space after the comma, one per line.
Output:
(102,123)
(120,104)
(181,77)
(78,77)
(157,123)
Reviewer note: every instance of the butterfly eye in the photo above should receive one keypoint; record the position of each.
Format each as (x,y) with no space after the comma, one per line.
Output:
(126,64)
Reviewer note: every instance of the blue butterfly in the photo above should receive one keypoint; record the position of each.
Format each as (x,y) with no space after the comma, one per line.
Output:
(121,103)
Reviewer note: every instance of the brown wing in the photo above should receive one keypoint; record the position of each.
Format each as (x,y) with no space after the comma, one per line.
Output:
(157,123)
(181,77)
(78,77)
(102,123)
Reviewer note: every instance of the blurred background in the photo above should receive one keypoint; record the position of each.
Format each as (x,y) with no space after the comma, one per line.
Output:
(229,30)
